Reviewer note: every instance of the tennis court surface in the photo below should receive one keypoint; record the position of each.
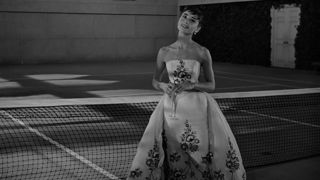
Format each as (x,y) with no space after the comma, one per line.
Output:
(52,133)
(96,80)
(97,140)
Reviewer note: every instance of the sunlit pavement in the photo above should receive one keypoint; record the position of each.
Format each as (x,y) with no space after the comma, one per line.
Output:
(100,80)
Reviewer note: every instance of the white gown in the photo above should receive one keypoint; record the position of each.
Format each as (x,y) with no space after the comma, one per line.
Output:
(187,137)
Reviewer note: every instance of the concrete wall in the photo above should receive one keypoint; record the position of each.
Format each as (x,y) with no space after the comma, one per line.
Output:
(51,31)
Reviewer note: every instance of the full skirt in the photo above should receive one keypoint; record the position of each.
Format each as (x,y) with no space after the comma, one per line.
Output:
(187,138)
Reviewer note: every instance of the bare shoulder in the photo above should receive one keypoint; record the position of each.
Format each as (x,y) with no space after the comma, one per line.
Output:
(206,54)
(163,51)
(203,52)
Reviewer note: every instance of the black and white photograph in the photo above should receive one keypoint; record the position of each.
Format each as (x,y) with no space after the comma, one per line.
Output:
(159,89)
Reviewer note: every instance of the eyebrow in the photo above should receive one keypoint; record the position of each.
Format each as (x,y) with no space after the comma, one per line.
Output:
(194,17)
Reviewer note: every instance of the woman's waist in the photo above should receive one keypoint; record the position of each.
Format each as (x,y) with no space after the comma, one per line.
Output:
(192,90)
(187,94)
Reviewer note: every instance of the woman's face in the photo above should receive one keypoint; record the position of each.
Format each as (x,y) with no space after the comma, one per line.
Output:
(188,23)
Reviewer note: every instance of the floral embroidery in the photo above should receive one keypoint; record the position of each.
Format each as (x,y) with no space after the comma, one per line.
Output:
(152,162)
(208,158)
(232,161)
(175,157)
(135,173)
(189,141)
(206,175)
(153,157)
(180,75)
(218,175)
(177,174)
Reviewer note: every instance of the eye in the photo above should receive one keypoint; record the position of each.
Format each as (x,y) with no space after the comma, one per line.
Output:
(192,20)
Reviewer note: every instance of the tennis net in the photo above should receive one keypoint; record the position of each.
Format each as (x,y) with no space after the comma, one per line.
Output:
(97,138)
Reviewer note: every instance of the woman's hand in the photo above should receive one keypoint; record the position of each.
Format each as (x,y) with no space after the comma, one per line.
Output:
(186,85)
(168,88)
(171,88)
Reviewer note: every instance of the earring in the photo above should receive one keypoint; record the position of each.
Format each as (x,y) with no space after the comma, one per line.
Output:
(195,32)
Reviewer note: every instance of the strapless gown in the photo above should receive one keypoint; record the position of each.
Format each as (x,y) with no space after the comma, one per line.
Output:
(187,137)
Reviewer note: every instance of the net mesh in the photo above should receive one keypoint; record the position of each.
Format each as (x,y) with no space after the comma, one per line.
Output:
(99,141)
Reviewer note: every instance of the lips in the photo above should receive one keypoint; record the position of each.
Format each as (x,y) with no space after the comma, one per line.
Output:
(184,26)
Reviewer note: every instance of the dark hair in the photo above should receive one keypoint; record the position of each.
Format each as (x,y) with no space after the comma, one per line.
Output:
(195,10)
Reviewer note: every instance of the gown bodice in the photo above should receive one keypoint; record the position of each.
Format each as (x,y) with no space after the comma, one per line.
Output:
(183,70)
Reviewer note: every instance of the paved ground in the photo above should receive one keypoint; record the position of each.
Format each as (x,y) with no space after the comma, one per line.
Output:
(32,83)
(64,81)
(307,169)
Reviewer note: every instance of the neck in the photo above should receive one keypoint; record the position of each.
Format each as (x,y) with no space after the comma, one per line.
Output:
(183,40)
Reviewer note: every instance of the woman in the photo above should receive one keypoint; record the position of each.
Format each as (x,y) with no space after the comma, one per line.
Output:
(187,136)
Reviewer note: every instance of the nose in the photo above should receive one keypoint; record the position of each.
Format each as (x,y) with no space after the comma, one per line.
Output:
(184,21)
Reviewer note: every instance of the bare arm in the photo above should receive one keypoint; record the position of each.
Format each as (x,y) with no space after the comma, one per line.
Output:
(160,66)
(209,84)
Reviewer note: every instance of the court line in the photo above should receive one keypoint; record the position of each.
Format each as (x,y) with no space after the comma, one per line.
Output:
(269,78)
(260,130)
(64,148)
(243,87)
(254,81)
(266,93)
(84,76)
(278,118)
(121,74)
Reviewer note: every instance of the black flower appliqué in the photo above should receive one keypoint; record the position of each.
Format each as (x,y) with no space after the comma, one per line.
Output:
(135,173)
(177,174)
(208,158)
(189,141)
(181,75)
(232,161)
(153,156)
(206,175)
(174,157)
(218,175)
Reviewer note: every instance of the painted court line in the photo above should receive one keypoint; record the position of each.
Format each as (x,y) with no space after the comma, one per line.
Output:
(255,81)
(278,118)
(84,76)
(268,78)
(243,87)
(260,130)
(64,148)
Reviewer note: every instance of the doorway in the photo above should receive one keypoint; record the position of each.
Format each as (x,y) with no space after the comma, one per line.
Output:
(283,33)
